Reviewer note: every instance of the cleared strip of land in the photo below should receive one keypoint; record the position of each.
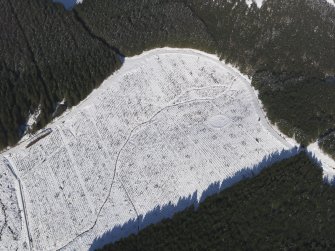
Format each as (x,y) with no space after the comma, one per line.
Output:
(166,126)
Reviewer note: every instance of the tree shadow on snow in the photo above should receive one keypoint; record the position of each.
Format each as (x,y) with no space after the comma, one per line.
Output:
(161,212)
(68,4)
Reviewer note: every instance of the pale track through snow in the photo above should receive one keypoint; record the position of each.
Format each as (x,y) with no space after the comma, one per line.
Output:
(5,220)
(61,152)
(21,198)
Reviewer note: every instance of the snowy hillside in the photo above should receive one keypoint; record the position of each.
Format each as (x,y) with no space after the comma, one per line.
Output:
(168,124)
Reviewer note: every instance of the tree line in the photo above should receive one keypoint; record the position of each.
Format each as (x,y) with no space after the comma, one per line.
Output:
(286,207)
(50,54)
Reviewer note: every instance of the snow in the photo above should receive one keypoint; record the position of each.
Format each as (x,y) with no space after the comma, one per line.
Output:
(33,118)
(13,233)
(332,2)
(153,137)
(257,2)
(327,163)
(218,121)
(31,122)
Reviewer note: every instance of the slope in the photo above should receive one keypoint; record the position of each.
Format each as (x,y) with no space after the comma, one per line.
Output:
(286,207)
(168,123)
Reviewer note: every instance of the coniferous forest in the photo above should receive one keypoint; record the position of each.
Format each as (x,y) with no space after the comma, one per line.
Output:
(46,56)
(49,54)
(286,207)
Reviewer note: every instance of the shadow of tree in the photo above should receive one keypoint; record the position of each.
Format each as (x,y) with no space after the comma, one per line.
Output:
(161,212)
(68,4)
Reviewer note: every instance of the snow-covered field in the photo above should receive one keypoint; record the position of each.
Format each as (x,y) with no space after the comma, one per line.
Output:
(168,124)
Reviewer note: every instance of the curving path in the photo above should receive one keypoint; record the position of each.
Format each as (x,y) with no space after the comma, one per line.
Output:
(169,123)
